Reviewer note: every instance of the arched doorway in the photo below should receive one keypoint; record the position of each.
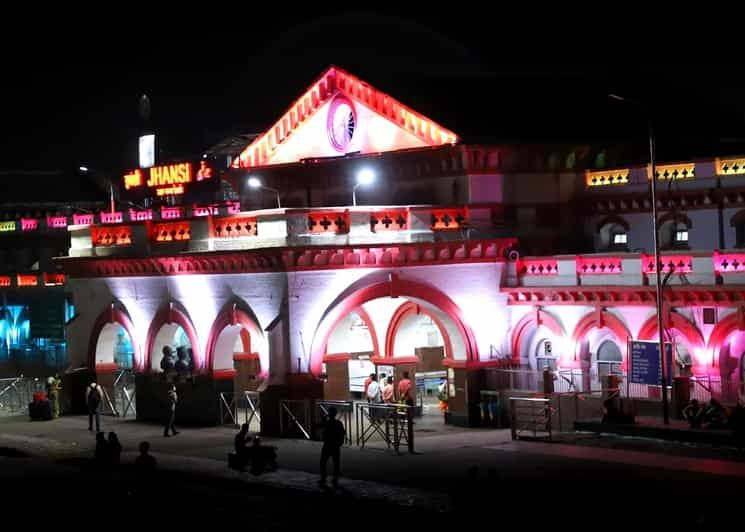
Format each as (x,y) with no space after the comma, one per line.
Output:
(237,349)
(426,335)
(350,352)
(598,339)
(170,336)
(172,328)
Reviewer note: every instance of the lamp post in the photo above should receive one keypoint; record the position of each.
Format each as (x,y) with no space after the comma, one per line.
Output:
(254,182)
(364,177)
(658,265)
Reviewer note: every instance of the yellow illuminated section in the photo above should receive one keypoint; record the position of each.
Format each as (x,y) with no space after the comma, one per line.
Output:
(607,177)
(666,172)
(7,226)
(730,166)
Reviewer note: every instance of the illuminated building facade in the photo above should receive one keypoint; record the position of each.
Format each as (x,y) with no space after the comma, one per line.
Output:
(433,272)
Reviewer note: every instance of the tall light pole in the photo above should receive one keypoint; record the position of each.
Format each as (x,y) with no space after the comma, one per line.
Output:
(254,182)
(658,264)
(364,177)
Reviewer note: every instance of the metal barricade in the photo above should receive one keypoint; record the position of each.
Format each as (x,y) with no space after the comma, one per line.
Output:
(11,394)
(128,401)
(251,407)
(394,424)
(530,414)
(228,414)
(345,411)
(295,414)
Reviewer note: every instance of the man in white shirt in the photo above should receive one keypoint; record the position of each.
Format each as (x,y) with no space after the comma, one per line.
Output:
(373,390)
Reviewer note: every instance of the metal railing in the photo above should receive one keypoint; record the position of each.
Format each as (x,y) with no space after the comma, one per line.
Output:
(345,412)
(530,414)
(394,424)
(17,392)
(227,408)
(295,414)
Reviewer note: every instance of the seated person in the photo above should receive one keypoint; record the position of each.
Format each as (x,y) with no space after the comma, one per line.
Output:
(715,415)
(262,457)
(242,450)
(693,413)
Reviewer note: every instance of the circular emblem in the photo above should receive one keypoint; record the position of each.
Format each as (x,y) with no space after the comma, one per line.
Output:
(341,124)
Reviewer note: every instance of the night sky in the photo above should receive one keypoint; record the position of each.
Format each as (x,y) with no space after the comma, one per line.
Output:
(71,91)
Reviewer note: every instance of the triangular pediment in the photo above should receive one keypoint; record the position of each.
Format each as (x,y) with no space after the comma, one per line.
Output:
(340,114)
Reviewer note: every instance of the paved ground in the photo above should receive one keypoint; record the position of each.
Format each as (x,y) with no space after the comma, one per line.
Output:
(540,483)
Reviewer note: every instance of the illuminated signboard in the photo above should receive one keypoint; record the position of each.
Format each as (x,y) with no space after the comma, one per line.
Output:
(7,226)
(147,151)
(166,180)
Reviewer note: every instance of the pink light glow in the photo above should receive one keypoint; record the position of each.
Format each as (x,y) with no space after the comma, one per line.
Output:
(205,211)
(171,213)
(57,222)
(29,224)
(598,265)
(82,219)
(728,262)
(111,217)
(678,263)
(140,216)
(538,267)
(234,207)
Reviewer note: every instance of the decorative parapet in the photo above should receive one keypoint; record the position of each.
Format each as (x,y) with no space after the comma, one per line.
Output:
(234,227)
(730,166)
(29,224)
(171,232)
(600,178)
(449,219)
(673,171)
(111,236)
(728,262)
(82,219)
(332,222)
(112,217)
(393,220)
(670,263)
(546,266)
(589,265)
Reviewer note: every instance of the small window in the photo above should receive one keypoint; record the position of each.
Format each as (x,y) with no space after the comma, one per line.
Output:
(620,239)
(681,237)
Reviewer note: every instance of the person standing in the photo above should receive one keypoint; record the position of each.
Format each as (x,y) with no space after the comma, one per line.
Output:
(54,385)
(388,394)
(93,399)
(171,419)
(405,393)
(333,438)
(368,380)
(373,390)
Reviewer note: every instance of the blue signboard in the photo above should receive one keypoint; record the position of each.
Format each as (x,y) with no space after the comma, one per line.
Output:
(646,363)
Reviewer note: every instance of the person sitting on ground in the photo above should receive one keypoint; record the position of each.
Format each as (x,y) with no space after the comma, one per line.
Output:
(145,462)
(262,457)
(115,449)
(693,413)
(242,450)
(715,415)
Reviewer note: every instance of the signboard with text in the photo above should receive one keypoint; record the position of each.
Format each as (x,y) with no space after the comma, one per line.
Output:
(168,180)
(646,364)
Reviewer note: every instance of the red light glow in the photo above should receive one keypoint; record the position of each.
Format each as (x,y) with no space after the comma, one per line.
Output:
(27,280)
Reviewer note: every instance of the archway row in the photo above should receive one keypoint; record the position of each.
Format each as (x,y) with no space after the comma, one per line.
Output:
(234,325)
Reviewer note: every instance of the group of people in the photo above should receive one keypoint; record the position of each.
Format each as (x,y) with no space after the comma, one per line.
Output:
(712,415)
(108,453)
(374,393)
(94,396)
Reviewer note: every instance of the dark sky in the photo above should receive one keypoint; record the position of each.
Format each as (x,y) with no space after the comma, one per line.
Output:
(71,90)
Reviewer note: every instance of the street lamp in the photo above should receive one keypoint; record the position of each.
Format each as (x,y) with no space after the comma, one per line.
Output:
(255,182)
(658,265)
(364,177)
